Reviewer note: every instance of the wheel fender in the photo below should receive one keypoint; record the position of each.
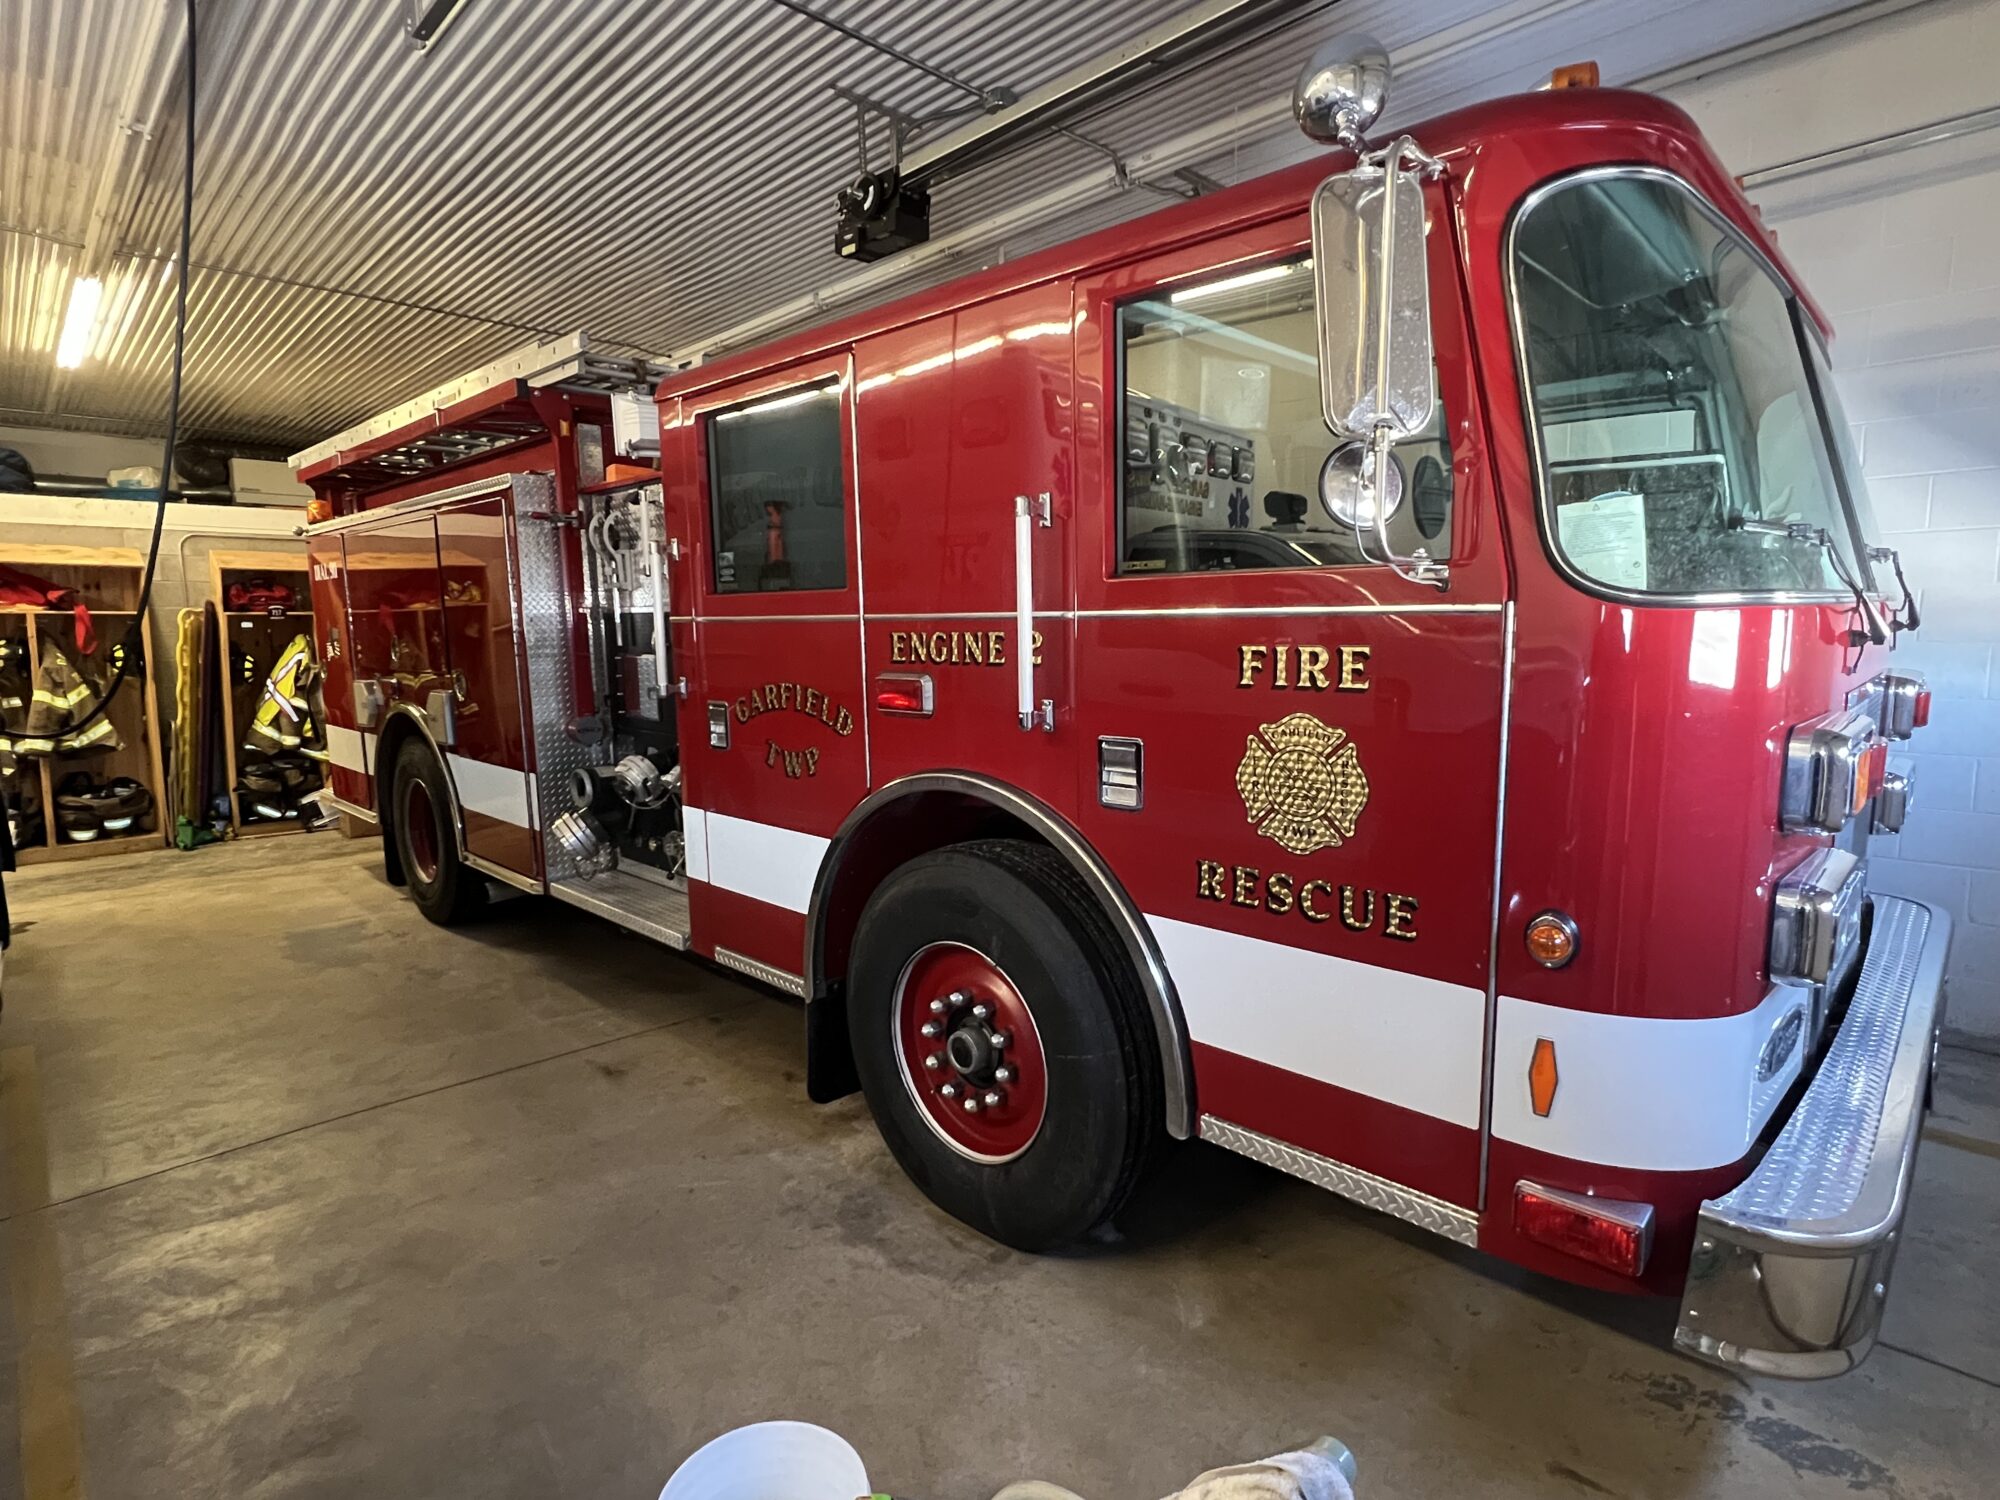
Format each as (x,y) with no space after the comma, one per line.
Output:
(825,1025)
(403,722)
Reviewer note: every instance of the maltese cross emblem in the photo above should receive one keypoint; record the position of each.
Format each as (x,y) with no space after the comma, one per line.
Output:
(1302,784)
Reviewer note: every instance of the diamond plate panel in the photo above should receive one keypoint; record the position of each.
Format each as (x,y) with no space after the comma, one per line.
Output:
(1815,1170)
(1370,1191)
(545,607)
(645,906)
(778,979)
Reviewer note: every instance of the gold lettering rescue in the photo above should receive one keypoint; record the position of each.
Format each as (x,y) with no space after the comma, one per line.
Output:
(955,648)
(793,697)
(1360,908)
(1305,668)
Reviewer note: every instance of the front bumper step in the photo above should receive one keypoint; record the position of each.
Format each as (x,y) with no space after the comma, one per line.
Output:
(1791,1268)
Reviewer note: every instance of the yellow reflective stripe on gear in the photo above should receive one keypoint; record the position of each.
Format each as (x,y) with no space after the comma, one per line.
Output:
(90,736)
(35,745)
(82,692)
(54,700)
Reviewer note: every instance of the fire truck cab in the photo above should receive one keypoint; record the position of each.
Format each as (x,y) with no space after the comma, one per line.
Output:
(1382,668)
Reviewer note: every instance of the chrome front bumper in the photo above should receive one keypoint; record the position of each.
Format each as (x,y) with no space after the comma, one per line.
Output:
(1790,1269)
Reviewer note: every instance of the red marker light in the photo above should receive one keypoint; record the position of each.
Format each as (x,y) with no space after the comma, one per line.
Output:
(1920,711)
(898,700)
(1604,1231)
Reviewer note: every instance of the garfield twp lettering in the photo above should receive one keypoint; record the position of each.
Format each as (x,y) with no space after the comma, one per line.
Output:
(793,697)
(1358,908)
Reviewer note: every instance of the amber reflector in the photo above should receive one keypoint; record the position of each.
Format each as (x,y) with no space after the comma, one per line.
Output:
(318,510)
(1551,940)
(1542,1077)
(1581,75)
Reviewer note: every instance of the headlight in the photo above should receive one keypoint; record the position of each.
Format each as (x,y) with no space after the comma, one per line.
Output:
(1816,919)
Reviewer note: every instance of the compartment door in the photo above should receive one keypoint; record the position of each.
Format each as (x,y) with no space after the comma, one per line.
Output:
(349,750)
(489,754)
(395,606)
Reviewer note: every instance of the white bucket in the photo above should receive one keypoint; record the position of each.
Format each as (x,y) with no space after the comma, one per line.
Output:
(771,1461)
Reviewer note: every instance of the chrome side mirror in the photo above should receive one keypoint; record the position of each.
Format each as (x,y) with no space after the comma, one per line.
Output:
(1376,356)
(1374,303)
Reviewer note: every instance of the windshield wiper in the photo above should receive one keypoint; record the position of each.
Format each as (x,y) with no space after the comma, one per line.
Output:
(1818,536)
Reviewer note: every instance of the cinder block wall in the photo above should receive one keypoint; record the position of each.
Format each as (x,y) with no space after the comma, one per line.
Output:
(1904,252)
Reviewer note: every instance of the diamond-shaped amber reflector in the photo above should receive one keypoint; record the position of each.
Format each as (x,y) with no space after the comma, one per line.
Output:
(1542,1076)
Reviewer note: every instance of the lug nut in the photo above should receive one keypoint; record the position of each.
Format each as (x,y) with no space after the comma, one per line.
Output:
(932,1028)
(981,1011)
(992,1101)
(950,1091)
(937,1007)
(1000,1040)
(959,997)
(971,1105)
(1003,1074)
(934,1061)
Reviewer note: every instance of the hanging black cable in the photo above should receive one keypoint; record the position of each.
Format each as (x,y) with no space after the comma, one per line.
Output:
(135,632)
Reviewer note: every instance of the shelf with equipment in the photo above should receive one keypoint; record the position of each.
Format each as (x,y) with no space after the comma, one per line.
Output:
(264,600)
(100,791)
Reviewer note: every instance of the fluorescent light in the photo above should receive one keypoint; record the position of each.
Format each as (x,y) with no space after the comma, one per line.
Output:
(1234,283)
(778,403)
(80,322)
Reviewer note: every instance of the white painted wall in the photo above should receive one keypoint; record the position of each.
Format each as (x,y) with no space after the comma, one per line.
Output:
(1904,252)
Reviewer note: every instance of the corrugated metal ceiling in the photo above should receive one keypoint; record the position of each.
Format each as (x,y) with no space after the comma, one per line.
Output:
(371,221)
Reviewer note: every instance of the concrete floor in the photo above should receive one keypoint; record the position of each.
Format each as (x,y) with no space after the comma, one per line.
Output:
(310,1198)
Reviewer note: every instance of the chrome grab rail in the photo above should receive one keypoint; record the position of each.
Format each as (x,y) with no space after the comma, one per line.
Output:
(1029,511)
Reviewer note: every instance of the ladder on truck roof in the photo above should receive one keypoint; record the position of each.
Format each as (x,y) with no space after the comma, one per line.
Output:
(478,411)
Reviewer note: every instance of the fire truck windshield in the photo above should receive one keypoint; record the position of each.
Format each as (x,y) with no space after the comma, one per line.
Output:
(1672,399)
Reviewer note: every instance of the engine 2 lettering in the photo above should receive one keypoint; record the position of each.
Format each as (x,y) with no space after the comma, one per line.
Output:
(1358,908)
(952,648)
(1305,667)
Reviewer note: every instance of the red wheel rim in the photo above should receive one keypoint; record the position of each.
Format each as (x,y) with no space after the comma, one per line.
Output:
(420,819)
(969,1052)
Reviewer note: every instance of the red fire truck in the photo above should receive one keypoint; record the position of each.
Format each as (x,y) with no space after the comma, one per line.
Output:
(1381,668)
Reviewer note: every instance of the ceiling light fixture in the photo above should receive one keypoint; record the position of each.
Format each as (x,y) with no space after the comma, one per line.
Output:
(79,322)
(424,21)
(1236,283)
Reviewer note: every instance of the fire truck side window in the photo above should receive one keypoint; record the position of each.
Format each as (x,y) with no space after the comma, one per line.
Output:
(1223,437)
(776,502)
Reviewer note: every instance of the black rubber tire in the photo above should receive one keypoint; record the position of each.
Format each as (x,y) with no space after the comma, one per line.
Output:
(1029,912)
(457,893)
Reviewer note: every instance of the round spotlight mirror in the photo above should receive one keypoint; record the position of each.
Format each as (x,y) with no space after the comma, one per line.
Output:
(1347,498)
(1342,91)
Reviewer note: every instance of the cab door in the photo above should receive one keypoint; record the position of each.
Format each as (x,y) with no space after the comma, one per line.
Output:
(1294,755)
(760,473)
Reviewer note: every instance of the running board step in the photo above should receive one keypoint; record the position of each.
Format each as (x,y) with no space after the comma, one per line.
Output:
(644,906)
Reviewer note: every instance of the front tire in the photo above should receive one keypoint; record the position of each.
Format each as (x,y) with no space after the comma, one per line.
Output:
(444,888)
(1003,1043)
